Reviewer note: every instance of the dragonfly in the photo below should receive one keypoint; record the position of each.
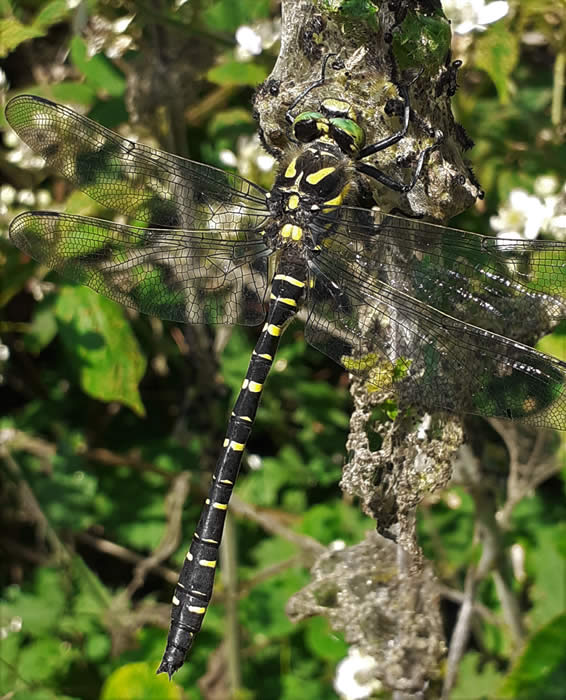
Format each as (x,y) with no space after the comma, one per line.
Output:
(410,306)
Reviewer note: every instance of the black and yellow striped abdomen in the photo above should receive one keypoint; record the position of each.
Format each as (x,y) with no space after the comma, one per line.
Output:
(196,580)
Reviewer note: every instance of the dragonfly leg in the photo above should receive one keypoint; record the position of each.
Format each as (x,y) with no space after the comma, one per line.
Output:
(397,185)
(318,83)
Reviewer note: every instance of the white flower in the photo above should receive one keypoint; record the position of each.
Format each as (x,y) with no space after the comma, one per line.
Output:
(7,194)
(473,15)
(43,198)
(545,185)
(249,40)
(557,227)
(228,157)
(26,197)
(522,217)
(253,40)
(354,679)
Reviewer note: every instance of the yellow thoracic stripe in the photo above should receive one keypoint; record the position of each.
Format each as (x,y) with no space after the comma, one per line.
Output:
(292,231)
(290,280)
(291,169)
(315,178)
(339,197)
(293,201)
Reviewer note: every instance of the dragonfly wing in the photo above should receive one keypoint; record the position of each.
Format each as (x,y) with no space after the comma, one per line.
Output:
(511,287)
(181,275)
(151,186)
(384,302)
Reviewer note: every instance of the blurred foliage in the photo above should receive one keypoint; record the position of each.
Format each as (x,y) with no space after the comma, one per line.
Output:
(101,409)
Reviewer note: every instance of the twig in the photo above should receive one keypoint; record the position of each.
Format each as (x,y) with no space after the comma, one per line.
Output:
(228,558)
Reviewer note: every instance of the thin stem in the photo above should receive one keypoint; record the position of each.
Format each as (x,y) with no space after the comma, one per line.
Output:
(228,560)
(558,89)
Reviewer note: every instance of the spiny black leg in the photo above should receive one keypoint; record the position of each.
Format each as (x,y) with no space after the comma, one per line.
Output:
(397,185)
(394,138)
(318,83)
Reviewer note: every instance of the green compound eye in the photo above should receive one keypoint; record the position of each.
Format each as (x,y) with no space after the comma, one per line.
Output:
(348,135)
(307,126)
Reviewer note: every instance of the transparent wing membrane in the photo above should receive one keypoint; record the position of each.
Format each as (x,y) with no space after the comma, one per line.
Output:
(152,186)
(418,307)
(424,309)
(187,276)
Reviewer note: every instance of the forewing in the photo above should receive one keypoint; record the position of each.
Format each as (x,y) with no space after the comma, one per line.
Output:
(180,275)
(424,308)
(152,186)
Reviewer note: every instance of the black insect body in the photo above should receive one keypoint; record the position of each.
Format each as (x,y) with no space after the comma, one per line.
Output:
(405,303)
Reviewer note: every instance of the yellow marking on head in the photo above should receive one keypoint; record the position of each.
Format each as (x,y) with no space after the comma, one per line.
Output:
(245,382)
(236,446)
(290,280)
(189,556)
(315,178)
(274,330)
(175,600)
(293,202)
(197,611)
(291,169)
(207,501)
(196,536)
(220,506)
(207,562)
(255,387)
(226,443)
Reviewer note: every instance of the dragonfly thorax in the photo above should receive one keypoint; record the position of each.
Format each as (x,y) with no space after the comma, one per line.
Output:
(316,181)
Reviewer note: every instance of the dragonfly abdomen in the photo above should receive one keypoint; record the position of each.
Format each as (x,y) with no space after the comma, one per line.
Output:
(196,580)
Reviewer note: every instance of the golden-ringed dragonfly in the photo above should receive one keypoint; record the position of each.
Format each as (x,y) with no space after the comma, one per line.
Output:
(420,308)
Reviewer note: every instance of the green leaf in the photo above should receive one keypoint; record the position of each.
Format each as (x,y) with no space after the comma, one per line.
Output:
(43,327)
(498,54)
(540,671)
(548,567)
(101,345)
(323,642)
(138,682)
(227,15)
(52,13)
(476,678)
(236,73)
(44,658)
(13,33)
(98,70)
